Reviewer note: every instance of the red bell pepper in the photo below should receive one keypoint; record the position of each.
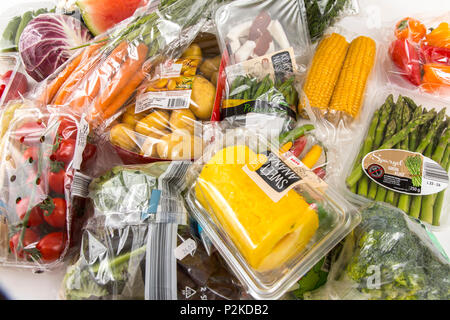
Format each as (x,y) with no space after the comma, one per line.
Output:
(430,54)
(406,57)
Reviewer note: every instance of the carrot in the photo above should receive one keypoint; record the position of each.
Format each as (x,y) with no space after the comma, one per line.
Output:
(49,92)
(120,79)
(86,64)
(89,89)
(121,98)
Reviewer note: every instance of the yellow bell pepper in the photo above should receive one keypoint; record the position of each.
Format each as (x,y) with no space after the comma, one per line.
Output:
(266,233)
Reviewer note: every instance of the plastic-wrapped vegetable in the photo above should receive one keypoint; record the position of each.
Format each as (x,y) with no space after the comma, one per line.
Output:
(105,74)
(41,156)
(164,121)
(388,256)
(123,252)
(264,210)
(264,44)
(323,13)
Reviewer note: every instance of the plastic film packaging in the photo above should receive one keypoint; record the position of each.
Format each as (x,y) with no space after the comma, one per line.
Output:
(341,70)
(125,255)
(322,14)
(387,257)
(164,121)
(416,54)
(262,62)
(294,220)
(14,83)
(105,74)
(403,157)
(42,151)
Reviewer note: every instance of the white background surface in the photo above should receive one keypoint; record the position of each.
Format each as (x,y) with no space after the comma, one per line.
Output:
(23,284)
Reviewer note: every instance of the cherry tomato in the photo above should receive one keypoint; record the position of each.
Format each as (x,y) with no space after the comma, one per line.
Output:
(18,86)
(56,181)
(29,237)
(54,211)
(67,128)
(35,218)
(30,133)
(65,151)
(31,154)
(51,246)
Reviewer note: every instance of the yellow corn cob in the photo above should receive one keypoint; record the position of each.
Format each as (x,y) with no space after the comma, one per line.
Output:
(324,72)
(349,91)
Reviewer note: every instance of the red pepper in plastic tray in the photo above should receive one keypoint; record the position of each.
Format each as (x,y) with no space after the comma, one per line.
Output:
(41,153)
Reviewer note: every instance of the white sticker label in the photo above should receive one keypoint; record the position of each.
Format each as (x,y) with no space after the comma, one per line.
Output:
(187,247)
(83,132)
(170,100)
(171,70)
(405,172)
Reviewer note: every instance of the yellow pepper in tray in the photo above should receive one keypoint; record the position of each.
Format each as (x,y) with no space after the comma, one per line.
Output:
(267,233)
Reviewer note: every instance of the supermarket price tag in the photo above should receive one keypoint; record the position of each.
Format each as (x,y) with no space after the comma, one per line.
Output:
(169,100)
(187,247)
(405,172)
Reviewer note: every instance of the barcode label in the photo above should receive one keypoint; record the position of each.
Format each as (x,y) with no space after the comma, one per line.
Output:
(80,185)
(169,100)
(434,171)
(160,267)
(171,183)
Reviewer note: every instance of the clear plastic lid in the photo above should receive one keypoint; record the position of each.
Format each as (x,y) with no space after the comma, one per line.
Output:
(269,215)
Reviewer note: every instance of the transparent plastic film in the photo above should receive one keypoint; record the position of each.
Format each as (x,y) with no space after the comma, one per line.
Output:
(165,121)
(266,245)
(105,74)
(42,153)
(387,257)
(322,14)
(261,63)
(416,54)
(337,78)
(406,137)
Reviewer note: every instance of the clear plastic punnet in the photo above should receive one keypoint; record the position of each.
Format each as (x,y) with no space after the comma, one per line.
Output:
(267,213)
(42,153)
(403,157)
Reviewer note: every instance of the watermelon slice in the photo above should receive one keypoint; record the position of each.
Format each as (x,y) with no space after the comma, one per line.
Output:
(100,15)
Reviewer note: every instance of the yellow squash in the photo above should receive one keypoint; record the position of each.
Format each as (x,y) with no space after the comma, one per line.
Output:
(266,233)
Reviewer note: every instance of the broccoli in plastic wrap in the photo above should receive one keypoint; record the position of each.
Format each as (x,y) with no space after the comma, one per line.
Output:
(388,257)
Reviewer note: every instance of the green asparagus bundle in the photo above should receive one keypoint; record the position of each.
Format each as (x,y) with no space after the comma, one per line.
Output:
(250,88)
(405,126)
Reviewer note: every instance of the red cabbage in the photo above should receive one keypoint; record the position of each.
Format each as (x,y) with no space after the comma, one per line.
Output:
(48,41)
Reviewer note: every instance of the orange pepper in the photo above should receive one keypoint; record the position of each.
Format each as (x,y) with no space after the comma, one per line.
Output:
(435,77)
(410,29)
(439,37)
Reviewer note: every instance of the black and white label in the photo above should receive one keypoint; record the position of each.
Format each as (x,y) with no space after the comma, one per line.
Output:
(80,185)
(405,172)
(169,100)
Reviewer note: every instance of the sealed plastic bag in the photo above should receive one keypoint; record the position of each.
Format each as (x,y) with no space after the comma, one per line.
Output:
(41,155)
(125,255)
(164,121)
(264,46)
(388,257)
(404,157)
(417,54)
(323,13)
(105,74)
(14,83)
(337,78)
(269,216)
